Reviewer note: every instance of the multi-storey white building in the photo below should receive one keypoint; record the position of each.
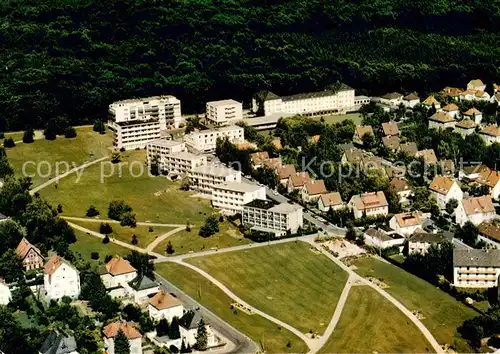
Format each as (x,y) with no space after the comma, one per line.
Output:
(135,122)
(204,178)
(269,216)
(473,268)
(118,273)
(206,140)
(230,197)
(160,147)
(445,189)
(61,279)
(5,293)
(223,112)
(314,103)
(476,210)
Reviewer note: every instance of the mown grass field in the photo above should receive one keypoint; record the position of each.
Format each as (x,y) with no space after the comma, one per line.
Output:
(287,281)
(369,323)
(266,334)
(443,314)
(86,244)
(154,199)
(331,119)
(43,155)
(185,242)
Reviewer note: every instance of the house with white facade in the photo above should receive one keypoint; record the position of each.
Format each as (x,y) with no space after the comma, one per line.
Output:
(189,329)
(411,100)
(441,120)
(382,239)
(475,95)
(452,110)
(476,84)
(444,189)
(360,101)
(391,99)
(490,134)
(30,256)
(204,178)
(474,115)
(5,293)
(142,288)
(428,155)
(60,279)
(359,133)
(482,175)
(452,92)
(490,232)
(402,189)
(223,112)
(431,101)
(312,190)
(420,242)
(369,204)
(206,140)
(476,210)
(165,305)
(475,268)
(297,181)
(257,158)
(331,200)
(133,335)
(284,172)
(57,343)
(270,216)
(229,197)
(406,223)
(118,272)
(465,127)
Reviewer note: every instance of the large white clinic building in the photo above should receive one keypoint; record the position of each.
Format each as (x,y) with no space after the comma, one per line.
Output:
(135,122)
(269,216)
(223,112)
(314,103)
(173,157)
(230,197)
(206,140)
(204,178)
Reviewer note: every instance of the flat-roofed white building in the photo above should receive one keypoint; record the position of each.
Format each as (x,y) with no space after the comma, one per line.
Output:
(270,216)
(206,140)
(223,112)
(230,197)
(204,178)
(135,122)
(182,162)
(474,268)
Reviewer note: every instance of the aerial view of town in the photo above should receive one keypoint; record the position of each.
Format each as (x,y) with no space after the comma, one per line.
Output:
(247,176)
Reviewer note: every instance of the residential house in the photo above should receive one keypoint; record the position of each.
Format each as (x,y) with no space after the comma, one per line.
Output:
(431,101)
(118,273)
(470,173)
(142,288)
(490,134)
(476,268)
(411,100)
(474,114)
(476,84)
(451,109)
(420,241)
(402,189)
(369,204)
(30,255)
(465,127)
(482,96)
(297,181)
(445,189)
(474,95)
(189,329)
(133,335)
(284,172)
(441,120)
(258,158)
(352,156)
(270,216)
(495,98)
(482,175)
(165,305)
(272,163)
(490,232)
(391,142)
(5,293)
(476,210)
(392,99)
(331,200)
(447,167)
(57,343)
(428,155)
(390,128)
(380,238)
(60,279)
(371,163)
(409,148)
(406,223)
(395,171)
(452,92)
(359,133)
(312,190)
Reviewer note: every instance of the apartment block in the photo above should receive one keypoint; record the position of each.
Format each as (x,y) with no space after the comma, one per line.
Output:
(269,216)
(173,157)
(474,268)
(230,197)
(205,178)
(160,147)
(223,112)
(206,140)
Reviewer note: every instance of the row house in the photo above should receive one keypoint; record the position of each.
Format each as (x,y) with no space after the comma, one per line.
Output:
(476,268)
(369,204)
(476,210)
(297,181)
(444,189)
(284,172)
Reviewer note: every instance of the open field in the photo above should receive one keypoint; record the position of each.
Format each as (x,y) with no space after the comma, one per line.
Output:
(87,146)
(265,333)
(369,323)
(86,244)
(287,281)
(184,241)
(154,199)
(144,237)
(442,313)
(331,119)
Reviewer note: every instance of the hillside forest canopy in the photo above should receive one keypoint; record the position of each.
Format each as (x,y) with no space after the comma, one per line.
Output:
(73,58)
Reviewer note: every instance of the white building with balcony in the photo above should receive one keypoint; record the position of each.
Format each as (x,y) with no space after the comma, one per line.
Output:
(474,268)
(223,112)
(230,197)
(206,140)
(204,178)
(269,216)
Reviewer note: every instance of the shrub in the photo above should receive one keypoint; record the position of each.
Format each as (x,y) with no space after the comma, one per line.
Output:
(70,132)
(59,208)
(134,239)
(122,149)
(94,255)
(105,228)
(128,219)
(9,143)
(117,208)
(150,229)
(92,211)
(105,240)
(28,136)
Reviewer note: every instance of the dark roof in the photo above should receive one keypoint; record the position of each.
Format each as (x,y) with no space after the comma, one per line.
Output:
(476,258)
(302,96)
(3,217)
(142,283)
(411,97)
(261,204)
(190,319)
(432,238)
(392,95)
(271,96)
(56,343)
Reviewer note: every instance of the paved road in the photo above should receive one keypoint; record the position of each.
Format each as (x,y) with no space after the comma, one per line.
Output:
(109,221)
(159,239)
(240,343)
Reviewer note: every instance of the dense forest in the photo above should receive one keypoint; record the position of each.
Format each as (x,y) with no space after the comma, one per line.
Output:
(74,57)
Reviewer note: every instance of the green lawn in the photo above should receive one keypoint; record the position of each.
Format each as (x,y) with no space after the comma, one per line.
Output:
(369,323)
(144,237)
(443,314)
(86,244)
(170,205)
(270,337)
(331,119)
(44,154)
(184,241)
(287,281)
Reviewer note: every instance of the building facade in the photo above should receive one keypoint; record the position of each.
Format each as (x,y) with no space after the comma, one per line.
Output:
(476,210)
(230,197)
(445,189)
(474,268)
(164,305)
(406,223)
(223,112)
(30,255)
(206,140)
(133,335)
(204,178)
(118,273)
(369,204)
(269,216)
(420,242)
(60,279)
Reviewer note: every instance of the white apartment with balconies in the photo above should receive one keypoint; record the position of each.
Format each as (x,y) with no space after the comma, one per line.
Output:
(474,268)
(269,216)
(223,112)
(135,122)
(204,178)
(206,140)
(173,157)
(230,197)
